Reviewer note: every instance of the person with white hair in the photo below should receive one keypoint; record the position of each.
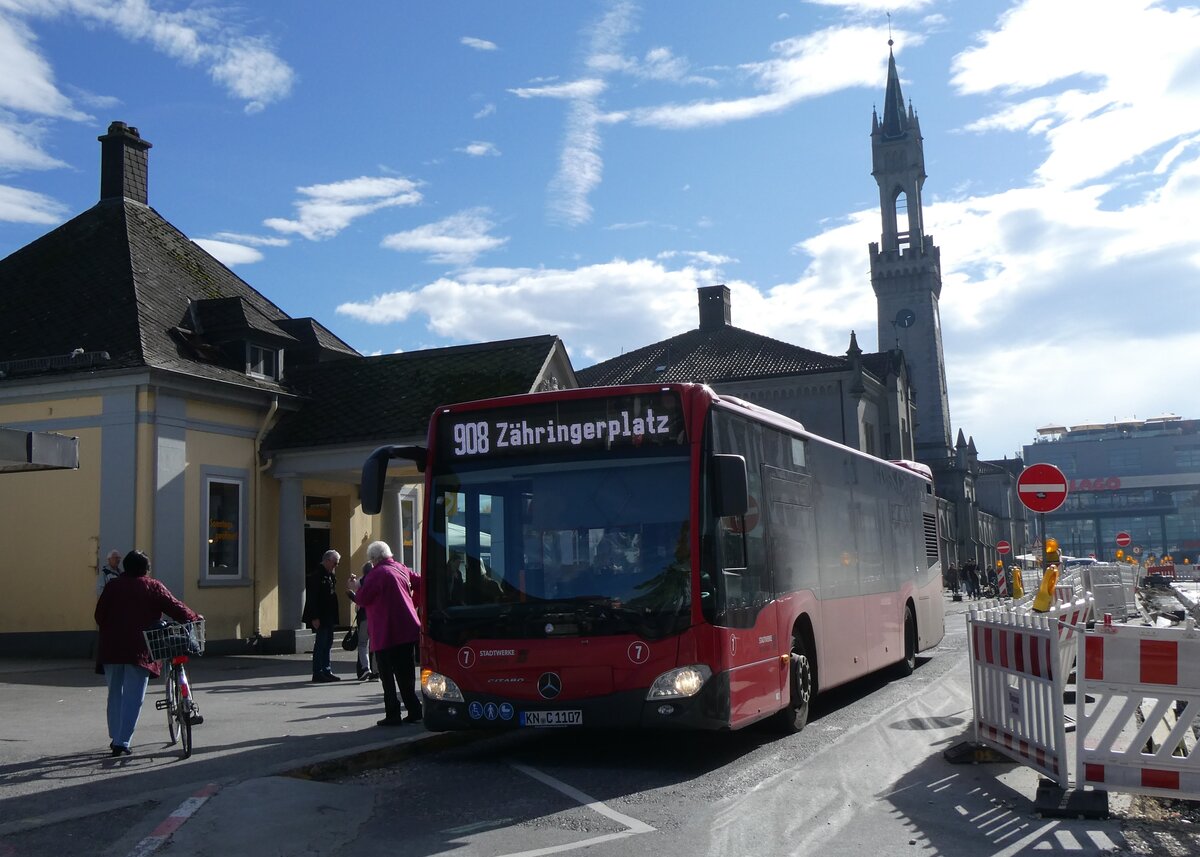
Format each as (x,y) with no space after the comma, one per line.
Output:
(321,614)
(389,595)
(109,571)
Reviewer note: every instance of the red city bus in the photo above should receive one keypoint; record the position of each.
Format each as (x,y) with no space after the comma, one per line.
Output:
(658,555)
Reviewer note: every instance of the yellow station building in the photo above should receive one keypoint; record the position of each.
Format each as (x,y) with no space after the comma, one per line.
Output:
(215,432)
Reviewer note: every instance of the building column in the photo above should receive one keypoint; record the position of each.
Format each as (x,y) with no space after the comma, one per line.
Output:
(390,529)
(291,553)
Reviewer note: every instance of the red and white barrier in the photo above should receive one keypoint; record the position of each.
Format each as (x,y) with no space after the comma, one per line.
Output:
(1138,734)
(1017,688)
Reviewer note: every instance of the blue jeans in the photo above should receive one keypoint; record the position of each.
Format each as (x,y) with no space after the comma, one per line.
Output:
(322,647)
(126,690)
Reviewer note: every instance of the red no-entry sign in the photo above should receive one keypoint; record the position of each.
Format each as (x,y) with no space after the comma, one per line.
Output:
(1042,487)
(1003,547)
(1123,540)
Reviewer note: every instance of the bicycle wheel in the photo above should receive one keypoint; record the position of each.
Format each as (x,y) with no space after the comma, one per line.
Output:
(185,726)
(173,698)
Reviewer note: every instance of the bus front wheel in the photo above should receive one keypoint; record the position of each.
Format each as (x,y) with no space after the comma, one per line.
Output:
(909,664)
(794,717)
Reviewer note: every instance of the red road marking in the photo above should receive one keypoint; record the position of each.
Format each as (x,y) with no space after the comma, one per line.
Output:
(174,821)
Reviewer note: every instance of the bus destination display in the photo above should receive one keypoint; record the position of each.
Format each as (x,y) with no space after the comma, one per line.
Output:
(562,427)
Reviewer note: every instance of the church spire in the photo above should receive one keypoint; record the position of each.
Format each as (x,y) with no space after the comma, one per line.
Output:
(895,117)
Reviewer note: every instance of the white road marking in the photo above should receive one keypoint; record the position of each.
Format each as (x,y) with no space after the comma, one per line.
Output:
(634,827)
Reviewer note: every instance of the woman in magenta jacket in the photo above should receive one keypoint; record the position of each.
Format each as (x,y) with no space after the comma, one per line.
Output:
(129,605)
(387,594)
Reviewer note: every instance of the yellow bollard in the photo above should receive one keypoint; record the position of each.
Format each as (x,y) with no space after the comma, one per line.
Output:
(1018,586)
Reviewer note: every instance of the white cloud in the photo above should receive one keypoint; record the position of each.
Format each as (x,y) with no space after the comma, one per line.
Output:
(805,67)
(874,5)
(580,166)
(629,304)
(479,149)
(27,83)
(486,110)
(21,146)
(246,66)
(703,256)
(228,253)
(26,206)
(456,240)
(326,209)
(252,240)
(1131,68)
(659,64)
(478,44)
(586,88)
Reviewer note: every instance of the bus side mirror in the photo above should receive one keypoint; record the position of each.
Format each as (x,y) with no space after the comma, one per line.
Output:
(374,473)
(731,492)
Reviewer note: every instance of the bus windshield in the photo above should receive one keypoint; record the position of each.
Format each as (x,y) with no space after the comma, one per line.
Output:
(531,549)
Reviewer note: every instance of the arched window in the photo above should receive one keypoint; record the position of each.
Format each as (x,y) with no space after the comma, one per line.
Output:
(902,236)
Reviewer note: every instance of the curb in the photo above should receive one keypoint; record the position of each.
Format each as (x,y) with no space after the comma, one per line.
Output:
(383,755)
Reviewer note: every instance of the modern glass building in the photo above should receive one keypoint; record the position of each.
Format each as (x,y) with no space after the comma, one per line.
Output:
(1140,477)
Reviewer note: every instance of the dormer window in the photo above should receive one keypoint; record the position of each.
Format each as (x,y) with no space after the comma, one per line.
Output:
(263,362)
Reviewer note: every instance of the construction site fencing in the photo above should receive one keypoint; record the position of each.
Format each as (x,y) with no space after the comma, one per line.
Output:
(1017,689)
(1137,702)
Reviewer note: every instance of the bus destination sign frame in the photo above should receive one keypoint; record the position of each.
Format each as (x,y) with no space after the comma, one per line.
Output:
(566,426)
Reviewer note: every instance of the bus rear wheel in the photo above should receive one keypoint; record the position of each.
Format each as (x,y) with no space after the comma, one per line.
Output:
(794,717)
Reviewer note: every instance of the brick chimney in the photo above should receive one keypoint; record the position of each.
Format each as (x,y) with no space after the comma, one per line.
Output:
(714,307)
(123,170)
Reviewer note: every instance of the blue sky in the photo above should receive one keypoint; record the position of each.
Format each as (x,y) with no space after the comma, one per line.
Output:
(426,174)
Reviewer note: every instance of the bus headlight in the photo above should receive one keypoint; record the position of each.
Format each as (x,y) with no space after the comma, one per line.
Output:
(437,686)
(680,682)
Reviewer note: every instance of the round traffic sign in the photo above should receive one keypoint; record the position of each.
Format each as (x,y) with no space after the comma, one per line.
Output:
(1123,540)
(1042,487)
(1003,547)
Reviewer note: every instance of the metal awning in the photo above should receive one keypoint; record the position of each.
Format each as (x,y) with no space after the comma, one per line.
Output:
(37,450)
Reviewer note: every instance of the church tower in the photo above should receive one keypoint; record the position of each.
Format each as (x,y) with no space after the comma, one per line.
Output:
(906,267)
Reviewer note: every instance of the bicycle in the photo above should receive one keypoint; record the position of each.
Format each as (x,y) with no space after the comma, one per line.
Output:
(173,643)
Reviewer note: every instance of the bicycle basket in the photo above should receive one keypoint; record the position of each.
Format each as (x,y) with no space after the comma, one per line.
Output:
(172,640)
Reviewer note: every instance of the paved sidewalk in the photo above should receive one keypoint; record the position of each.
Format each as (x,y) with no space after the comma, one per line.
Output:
(263,716)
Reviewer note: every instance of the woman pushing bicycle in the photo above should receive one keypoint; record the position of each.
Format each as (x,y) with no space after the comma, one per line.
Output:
(129,605)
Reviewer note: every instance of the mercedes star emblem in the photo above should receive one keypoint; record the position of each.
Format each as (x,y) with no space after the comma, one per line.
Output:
(549,685)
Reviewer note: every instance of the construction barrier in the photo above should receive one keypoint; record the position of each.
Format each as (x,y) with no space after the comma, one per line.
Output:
(1112,586)
(1068,618)
(1139,733)
(1017,688)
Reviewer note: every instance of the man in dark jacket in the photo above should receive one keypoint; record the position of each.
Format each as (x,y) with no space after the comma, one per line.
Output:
(321,614)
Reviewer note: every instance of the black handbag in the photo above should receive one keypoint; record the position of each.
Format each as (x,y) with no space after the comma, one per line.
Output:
(350,641)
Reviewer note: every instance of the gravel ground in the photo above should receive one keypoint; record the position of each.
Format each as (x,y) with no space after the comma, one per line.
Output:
(1162,826)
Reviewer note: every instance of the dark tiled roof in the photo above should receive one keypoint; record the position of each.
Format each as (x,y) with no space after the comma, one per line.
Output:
(390,397)
(881,364)
(315,336)
(713,355)
(119,278)
(222,319)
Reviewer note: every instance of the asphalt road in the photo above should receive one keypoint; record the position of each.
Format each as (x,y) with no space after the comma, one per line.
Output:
(867,776)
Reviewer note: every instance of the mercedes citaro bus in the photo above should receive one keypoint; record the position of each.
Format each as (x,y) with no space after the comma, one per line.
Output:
(658,555)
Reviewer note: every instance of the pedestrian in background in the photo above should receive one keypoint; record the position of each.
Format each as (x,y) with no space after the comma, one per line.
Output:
(321,613)
(970,573)
(365,673)
(129,605)
(109,571)
(387,593)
